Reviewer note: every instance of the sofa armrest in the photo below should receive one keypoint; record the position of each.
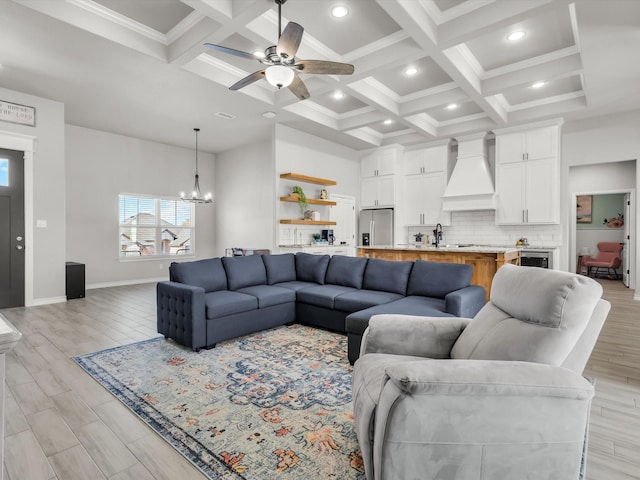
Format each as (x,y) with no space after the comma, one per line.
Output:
(465,302)
(181,313)
(429,337)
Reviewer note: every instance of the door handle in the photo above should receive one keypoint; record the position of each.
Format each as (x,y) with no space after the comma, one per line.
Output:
(19,247)
(19,238)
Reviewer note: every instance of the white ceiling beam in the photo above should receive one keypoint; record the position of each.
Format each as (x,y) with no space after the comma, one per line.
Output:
(361,120)
(433,98)
(558,65)
(553,107)
(487,19)
(412,17)
(98,20)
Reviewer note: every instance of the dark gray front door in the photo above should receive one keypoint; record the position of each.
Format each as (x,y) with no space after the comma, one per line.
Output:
(11,228)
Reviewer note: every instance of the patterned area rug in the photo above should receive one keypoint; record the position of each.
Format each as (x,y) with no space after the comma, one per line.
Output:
(266,406)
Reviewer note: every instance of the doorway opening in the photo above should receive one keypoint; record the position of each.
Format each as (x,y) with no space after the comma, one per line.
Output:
(604,216)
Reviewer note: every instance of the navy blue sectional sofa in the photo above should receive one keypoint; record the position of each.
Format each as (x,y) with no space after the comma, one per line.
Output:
(208,301)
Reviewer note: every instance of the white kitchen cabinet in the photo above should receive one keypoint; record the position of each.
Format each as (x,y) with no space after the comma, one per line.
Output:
(527,176)
(381,162)
(534,144)
(423,199)
(426,160)
(378,192)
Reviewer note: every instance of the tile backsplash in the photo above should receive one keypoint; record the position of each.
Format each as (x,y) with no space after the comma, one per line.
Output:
(478,227)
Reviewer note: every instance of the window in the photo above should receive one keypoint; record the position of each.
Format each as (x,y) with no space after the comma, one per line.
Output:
(4,172)
(155,227)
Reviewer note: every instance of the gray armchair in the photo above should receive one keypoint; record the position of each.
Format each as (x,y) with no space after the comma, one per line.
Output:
(499,396)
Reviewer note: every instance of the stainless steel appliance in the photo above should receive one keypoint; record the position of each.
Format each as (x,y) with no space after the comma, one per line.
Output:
(532,258)
(377,223)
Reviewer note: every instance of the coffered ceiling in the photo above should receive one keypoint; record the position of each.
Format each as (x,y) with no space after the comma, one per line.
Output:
(139,68)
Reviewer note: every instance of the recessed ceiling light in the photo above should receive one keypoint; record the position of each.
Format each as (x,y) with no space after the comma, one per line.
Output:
(339,11)
(269,114)
(388,121)
(452,106)
(538,84)
(515,36)
(410,71)
(338,95)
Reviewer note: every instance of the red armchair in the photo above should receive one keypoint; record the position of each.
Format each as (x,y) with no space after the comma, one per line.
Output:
(608,258)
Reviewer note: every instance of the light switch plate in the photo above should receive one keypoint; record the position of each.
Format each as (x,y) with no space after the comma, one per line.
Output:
(41,223)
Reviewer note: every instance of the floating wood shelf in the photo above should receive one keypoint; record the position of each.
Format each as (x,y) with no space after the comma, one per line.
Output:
(314,201)
(307,179)
(306,222)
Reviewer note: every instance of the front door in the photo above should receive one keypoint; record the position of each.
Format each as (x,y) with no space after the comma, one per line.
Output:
(11,228)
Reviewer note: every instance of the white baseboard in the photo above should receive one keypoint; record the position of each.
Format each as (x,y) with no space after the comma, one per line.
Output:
(47,301)
(122,283)
(636,296)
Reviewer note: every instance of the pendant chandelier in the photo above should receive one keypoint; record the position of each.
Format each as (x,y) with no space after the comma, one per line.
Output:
(196,194)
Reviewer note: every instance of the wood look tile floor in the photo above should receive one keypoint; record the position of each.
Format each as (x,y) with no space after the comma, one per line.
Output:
(61,424)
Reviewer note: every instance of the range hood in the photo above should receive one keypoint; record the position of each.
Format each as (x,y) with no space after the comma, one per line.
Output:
(470,186)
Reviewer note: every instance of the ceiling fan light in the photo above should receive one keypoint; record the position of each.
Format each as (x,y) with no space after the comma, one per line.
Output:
(279,76)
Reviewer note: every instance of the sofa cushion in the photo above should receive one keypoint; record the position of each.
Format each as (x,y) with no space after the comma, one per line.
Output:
(280,268)
(224,302)
(244,271)
(296,285)
(269,295)
(311,268)
(387,276)
(351,302)
(358,321)
(436,279)
(208,274)
(322,295)
(346,271)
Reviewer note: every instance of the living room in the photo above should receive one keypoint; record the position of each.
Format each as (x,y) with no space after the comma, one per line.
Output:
(76,164)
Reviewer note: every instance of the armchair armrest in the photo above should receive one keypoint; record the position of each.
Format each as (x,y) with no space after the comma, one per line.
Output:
(181,313)
(465,302)
(430,337)
(501,418)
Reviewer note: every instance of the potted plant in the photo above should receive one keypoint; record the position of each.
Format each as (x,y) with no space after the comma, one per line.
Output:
(418,236)
(302,198)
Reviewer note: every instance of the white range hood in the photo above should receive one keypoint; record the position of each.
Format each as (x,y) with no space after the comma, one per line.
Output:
(470,186)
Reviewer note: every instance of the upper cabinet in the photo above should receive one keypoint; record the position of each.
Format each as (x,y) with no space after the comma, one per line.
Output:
(381,162)
(527,175)
(380,170)
(426,160)
(533,144)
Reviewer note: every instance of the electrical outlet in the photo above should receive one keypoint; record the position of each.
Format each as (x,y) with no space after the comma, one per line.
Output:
(41,224)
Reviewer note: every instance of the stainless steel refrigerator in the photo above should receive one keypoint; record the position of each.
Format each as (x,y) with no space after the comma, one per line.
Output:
(375,227)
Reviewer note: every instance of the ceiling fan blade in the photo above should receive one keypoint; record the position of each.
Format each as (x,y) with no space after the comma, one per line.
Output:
(298,88)
(322,67)
(232,51)
(289,40)
(248,80)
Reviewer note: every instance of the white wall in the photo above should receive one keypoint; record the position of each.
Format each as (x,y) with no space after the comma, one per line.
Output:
(102,165)
(44,199)
(300,152)
(607,141)
(245,197)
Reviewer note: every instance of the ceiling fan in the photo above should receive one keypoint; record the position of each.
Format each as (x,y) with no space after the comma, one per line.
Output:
(282,67)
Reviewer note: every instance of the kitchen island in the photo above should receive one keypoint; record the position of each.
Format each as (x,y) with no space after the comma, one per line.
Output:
(485,260)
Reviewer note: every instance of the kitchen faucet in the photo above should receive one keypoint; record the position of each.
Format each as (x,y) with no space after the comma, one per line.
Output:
(438,234)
